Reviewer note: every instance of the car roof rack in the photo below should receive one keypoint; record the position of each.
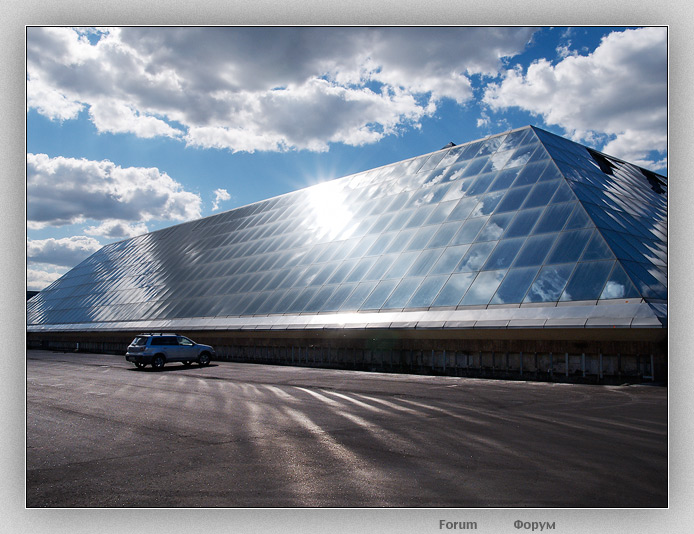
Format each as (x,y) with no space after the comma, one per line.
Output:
(158,334)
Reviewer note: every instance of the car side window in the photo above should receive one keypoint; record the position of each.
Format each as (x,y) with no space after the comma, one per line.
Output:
(185,341)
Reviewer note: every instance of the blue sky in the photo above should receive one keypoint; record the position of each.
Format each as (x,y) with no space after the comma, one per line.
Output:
(134,129)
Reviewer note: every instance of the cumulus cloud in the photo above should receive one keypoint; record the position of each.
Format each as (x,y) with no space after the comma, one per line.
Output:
(64,252)
(248,89)
(617,92)
(114,229)
(64,191)
(118,117)
(38,279)
(220,195)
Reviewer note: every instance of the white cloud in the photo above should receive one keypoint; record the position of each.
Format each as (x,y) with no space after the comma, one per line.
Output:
(65,252)
(220,195)
(619,90)
(118,117)
(51,102)
(247,89)
(564,51)
(38,279)
(64,191)
(115,229)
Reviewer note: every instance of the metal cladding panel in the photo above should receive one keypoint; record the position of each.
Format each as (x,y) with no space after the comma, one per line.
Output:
(646,322)
(566,322)
(639,314)
(527,323)
(502,232)
(491,324)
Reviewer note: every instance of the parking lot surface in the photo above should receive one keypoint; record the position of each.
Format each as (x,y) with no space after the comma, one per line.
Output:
(101,433)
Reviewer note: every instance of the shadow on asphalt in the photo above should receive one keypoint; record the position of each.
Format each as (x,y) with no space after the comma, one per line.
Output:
(171,367)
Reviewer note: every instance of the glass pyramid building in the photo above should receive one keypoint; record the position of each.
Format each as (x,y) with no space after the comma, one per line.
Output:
(522,230)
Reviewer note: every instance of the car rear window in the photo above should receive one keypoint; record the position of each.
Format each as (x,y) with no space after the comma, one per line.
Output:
(139,341)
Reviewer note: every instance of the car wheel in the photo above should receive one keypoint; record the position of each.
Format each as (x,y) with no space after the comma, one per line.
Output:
(204,359)
(158,361)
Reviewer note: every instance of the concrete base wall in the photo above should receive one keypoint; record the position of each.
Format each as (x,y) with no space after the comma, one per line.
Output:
(567,358)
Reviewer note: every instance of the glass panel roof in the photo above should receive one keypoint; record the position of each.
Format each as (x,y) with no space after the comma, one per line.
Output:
(521,217)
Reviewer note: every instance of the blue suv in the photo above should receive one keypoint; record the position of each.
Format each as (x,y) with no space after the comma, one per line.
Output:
(159,349)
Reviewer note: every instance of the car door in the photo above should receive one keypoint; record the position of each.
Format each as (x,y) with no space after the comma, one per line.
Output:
(186,349)
(171,348)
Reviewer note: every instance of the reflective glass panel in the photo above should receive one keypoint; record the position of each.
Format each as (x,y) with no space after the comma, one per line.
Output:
(529,174)
(483,288)
(514,199)
(535,250)
(504,179)
(476,256)
(441,212)
(402,264)
(475,166)
(541,194)
(562,194)
(380,267)
(579,219)
(419,217)
(403,292)
(341,272)
(487,204)
(379,295)
(424,262)
(523,154)
(324,274)
(381,244)
(444,235)
(456,286)
(402,239)
(549,284)
(495,227)
(523,223)
(400,220)
(427,291)
(358,273)
(421,238)
(470,151)
(515,285)
(569,246)
(362,247)
(449,259)
(455,171)
(285,300)
(597,249)
(554,218)
(587,281)
(491,145)
(619,286)
(462,209)
(357,297)
(517,138)
(469,231)
(319,299)
(481,183)
(336,300)
(504,254)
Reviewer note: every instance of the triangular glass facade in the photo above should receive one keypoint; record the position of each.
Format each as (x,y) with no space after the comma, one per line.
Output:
(524,219)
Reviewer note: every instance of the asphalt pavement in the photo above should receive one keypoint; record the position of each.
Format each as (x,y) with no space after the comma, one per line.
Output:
(101,433)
